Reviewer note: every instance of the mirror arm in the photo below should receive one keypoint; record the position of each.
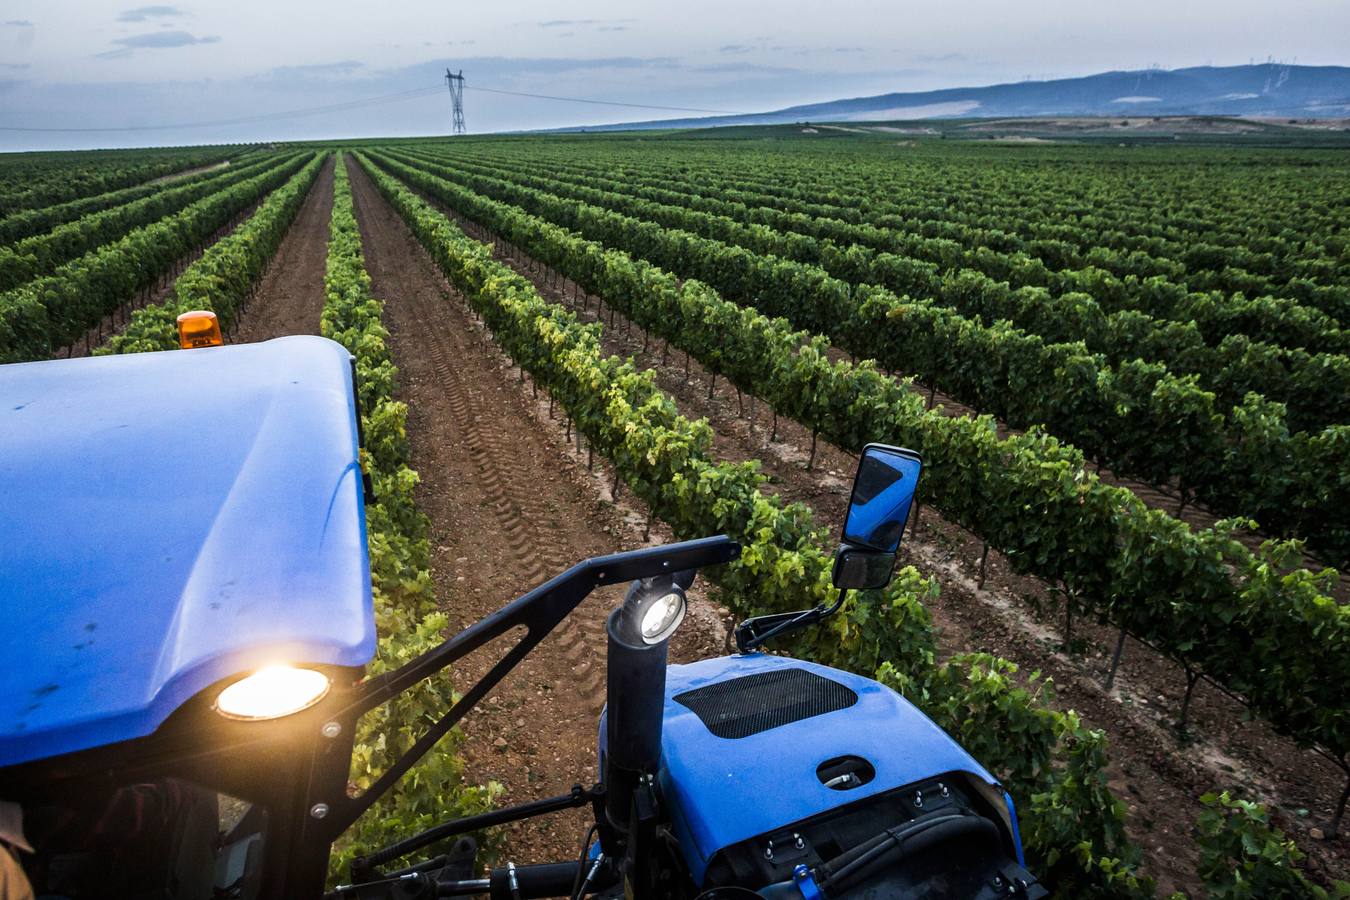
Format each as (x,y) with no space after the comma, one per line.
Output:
(749,636)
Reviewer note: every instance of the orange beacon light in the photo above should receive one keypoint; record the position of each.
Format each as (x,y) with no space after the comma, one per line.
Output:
(198,328)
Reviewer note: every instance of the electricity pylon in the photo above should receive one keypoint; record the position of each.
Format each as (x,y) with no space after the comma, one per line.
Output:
(456,82)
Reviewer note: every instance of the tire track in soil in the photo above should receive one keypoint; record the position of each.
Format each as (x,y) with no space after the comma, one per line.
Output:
(288,299)
(1156,776)
(509,508)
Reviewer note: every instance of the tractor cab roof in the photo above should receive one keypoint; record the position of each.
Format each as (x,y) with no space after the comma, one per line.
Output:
(173,519)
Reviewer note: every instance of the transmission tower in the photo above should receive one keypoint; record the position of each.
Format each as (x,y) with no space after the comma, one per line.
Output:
(456,82)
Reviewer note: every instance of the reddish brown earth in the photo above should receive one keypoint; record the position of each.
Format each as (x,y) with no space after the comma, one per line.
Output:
(289,297)
(511,504)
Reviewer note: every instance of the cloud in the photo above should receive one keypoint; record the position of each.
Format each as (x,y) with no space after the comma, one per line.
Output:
(342,67)
(19,23)
(735,48)
(597,24)
(315,76)
(848,50)
(945,57)
(15,66)
(141,13)
(160,39)
(155,40)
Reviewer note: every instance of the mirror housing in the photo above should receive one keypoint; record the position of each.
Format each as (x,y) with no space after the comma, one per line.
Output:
(878,510)
(859,569)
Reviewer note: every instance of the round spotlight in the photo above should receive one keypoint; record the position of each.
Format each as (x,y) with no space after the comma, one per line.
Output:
(271,693)
(662,616)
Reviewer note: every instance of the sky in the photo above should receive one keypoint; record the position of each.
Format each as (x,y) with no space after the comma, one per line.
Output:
(204,71)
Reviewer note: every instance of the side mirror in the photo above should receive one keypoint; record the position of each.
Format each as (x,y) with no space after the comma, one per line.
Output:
(883,491)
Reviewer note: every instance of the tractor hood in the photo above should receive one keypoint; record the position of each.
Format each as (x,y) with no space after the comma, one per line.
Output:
(173,519)
(744,735)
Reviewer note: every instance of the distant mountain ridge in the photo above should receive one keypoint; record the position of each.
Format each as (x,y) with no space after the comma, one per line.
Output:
(1265,89)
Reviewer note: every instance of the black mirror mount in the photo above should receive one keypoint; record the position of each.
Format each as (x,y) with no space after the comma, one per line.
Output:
(861,569)
(878,509)
(753,632)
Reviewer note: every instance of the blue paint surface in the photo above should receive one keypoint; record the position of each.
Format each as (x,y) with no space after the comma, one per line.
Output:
(170,520)
(726,790)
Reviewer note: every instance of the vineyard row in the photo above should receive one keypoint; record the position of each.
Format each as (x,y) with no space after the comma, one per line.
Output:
(1200,596)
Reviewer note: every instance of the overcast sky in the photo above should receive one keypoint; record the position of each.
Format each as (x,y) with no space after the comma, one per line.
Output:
(102,64)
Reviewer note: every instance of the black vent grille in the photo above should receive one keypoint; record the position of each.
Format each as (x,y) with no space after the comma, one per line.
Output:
(740,707)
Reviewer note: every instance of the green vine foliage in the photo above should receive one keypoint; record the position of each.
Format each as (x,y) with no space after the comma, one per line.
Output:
(29,222)
(33,183)
(406,615)
(1200,595)
(1138,418)
(53,311)
(223,278)
(981,281)
(39,254)
(1050,761)
(1244,857)
(922,224)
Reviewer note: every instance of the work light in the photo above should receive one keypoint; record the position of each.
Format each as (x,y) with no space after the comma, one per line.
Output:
(652,610)
(271,693)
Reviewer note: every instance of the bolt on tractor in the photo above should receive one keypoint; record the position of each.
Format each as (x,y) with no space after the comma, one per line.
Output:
(189,616)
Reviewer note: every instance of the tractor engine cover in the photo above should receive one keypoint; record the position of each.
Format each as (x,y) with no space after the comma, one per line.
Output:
(753,745)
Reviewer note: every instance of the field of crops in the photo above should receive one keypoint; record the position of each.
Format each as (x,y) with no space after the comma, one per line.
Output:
(1127,369)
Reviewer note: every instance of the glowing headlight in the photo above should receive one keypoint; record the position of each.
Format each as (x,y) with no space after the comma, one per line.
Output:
(271,693)
(662,617)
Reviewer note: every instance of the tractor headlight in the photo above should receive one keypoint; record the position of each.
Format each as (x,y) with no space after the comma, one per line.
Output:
(662,616)
(271,693)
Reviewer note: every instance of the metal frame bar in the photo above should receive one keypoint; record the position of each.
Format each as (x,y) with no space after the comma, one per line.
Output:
(539,611)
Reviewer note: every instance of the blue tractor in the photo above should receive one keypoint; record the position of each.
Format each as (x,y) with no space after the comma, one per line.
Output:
(188,615)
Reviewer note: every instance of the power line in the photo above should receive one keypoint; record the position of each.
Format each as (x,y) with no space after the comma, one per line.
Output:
(355,104)
(261,117)
(728,112)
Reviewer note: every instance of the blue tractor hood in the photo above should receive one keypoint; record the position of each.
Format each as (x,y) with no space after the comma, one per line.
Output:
(726,789)
(172,519)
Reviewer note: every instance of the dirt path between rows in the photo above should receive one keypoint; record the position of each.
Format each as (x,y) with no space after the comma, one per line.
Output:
(1158,776)
(511,504)
(289,297)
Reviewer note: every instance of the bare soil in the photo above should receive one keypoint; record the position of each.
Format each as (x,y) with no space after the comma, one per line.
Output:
(289,297)
(188,173)
(511,503)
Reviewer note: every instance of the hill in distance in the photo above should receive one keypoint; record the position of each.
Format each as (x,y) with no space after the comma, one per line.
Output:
(1264,90)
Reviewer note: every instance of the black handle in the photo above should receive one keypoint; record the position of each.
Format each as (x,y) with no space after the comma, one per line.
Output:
(533,882)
